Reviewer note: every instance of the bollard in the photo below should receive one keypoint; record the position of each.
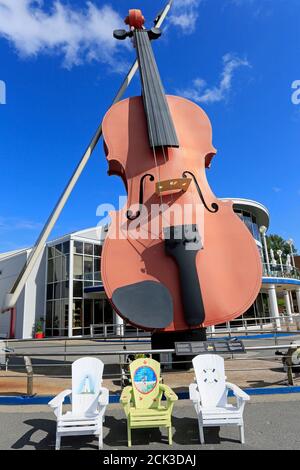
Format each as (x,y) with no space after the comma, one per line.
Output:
(29,370)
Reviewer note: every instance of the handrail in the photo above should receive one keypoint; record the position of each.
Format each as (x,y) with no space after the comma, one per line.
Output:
(135,351)
(279,270)
(268,324)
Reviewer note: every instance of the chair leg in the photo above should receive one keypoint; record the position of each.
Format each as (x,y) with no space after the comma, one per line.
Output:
(242,434)
(57,442)
(170,435)
(129,433)
(201,434)
(101,439)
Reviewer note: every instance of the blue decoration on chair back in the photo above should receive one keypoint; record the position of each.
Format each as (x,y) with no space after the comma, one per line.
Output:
(145,379)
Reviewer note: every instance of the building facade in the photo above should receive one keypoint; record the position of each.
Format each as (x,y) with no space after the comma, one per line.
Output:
(65,288)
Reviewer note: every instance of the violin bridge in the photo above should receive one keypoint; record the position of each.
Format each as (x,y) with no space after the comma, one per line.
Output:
(179,184)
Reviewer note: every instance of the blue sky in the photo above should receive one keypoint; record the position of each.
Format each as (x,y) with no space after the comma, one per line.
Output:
(236,58)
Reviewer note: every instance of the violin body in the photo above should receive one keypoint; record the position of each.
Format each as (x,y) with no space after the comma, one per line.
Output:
(142,281)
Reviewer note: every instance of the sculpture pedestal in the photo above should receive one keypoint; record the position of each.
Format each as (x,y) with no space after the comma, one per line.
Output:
(167,341)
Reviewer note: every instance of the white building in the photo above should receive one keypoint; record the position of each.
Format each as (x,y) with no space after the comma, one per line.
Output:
(68,274)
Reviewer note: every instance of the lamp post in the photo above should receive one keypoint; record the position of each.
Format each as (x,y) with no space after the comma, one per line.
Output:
(263,230)
(279,252)
(291,244)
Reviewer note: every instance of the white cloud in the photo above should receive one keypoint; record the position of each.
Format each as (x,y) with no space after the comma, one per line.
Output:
(78,35)
(201,93)
(185,14)
(15,223)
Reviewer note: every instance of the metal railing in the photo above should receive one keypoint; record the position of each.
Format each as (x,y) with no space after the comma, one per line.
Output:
(31,362)
(107,330)
(284,271)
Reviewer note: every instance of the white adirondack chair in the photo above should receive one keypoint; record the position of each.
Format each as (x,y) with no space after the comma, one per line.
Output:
(89,400)
(209,396)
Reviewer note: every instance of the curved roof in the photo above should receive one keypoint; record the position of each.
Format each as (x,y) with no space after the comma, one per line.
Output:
(256,208)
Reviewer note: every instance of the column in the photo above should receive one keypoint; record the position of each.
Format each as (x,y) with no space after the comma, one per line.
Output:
(298,298)
(288,305)
(71,277)
(119,325)
(273,305)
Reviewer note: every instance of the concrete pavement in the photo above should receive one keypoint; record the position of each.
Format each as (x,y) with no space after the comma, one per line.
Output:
(271,422)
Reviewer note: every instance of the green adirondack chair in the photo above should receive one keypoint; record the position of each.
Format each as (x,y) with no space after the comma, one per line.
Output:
(142,400)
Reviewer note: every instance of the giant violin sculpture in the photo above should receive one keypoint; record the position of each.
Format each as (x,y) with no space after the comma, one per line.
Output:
(175,257)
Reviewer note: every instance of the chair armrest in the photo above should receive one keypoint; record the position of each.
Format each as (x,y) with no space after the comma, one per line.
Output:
(168,392)
(103,397)
(126,395)
(59,399)
(194,393)
(237,391)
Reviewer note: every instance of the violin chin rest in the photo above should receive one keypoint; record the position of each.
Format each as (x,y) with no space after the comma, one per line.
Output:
(147,304)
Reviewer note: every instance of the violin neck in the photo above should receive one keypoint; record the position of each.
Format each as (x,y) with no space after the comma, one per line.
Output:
(161,128)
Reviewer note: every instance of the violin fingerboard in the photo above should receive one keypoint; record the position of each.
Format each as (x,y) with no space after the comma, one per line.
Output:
(161,128)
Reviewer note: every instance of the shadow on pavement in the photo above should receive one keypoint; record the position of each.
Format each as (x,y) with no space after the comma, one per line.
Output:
(185,433)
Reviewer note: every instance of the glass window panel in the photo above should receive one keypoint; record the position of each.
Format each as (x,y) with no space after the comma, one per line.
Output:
(108,313)
(78,267)
(56,317)
(57,269)
(88,248)
(58,249)
(97,250)
(78,247)
(65,313)
(49,317)
(256,232)
(77,314)
(88,284)
(65,267)
(50,272)
(57,290)
(77,289)
(49,291)
(98,312)
(51,252)
(66,247)
(65,290)
(97,274)
(88,313)
(88,267)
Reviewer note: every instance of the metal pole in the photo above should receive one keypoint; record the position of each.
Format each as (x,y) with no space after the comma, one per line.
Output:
(263,232)
(29,370)
(11,298)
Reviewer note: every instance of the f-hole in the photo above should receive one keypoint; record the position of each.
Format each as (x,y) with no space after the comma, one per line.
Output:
(129,214)
(214,207)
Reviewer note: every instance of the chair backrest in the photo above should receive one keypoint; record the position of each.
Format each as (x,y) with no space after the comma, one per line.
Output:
(211,380)
(145,376)
(86,383)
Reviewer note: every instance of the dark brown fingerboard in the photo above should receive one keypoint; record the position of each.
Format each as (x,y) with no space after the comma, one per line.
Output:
(161,128)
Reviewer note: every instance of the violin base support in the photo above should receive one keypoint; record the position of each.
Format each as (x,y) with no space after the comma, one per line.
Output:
(147,304)
(167,340)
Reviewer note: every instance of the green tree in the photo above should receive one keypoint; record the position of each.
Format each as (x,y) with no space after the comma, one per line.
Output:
(275,242)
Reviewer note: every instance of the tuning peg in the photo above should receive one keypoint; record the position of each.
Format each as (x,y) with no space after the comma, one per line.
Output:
(121,34)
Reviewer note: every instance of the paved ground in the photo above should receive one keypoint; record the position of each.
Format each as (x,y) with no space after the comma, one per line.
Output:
(271,423)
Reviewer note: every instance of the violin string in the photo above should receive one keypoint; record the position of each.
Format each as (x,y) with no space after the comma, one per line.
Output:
(151,138)
(151,131)
(159,130)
